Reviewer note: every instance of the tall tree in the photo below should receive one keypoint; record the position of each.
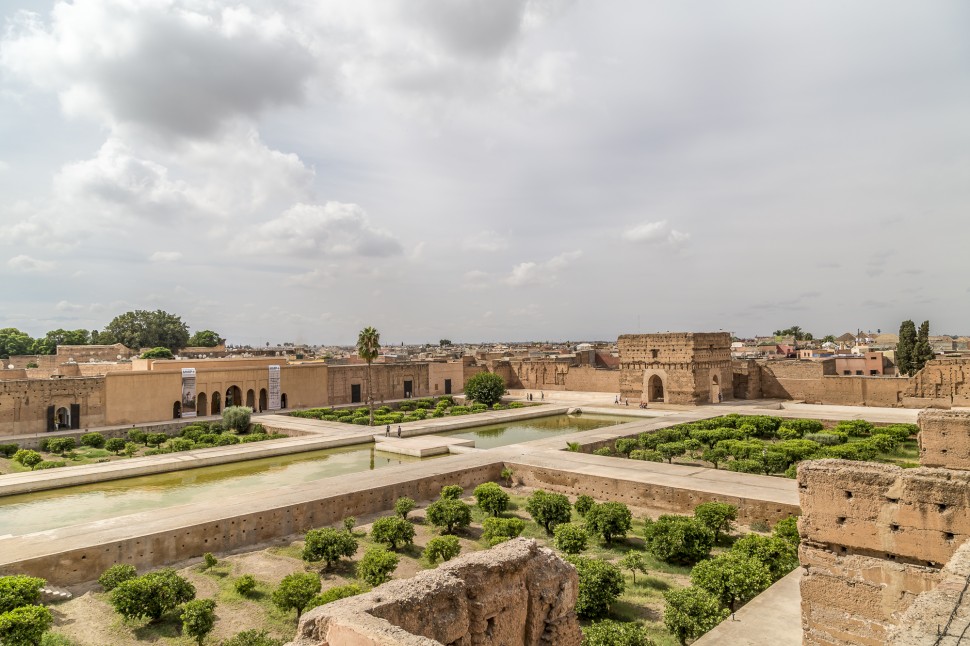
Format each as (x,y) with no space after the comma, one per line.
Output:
(923,351)
(368,347)
(205,339)
(54,338)
(144,329)
(13,342)
(906,347)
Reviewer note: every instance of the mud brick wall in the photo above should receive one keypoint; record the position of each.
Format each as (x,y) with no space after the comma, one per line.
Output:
(23,403)
(944,439)
(942,382)
(874,537)
(686,361)
(590,379)
(515,594)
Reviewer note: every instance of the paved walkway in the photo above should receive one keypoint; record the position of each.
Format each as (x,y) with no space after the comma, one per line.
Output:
(773,618)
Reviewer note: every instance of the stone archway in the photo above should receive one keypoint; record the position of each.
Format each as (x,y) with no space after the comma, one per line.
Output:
(654,387)
(63,418)
(216,403)
(233,396)
(251,399)
(202,404)
(262,399)
(715,390)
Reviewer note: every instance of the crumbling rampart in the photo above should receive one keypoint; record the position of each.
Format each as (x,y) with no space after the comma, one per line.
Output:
(515,594)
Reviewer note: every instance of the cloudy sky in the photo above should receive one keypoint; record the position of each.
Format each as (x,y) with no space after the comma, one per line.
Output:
(485,169)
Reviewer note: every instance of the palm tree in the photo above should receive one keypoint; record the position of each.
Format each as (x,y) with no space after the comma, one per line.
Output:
(368,347)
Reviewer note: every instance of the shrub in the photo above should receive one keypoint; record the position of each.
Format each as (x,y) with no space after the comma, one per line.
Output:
(61,445)
(252,437)
(199,618)
(827,439)
(491,498)
(507,476)
(485,388)
(570,538)
(615,633)
(776,554)
(155,439)
(245,584)
(157,353)
(295,591)
(181,444)
(609,520)
(377,565)
(498,530)
(403,506)
(349,523)
(549,509)
(744,466)
(625,445)
(51,464)
(94,440)
(209,561)
(600,583)
(718,517)
(678,539)
(151,595)
(335,594)
(252,637)
(603,450)
(451,492)
(715,456)
(139,436)
(691,612)
(574,447)
(516,404)
(116,575)
(442,548)
(328,545)
(787,529)
(393,530)
(583,504)
(635,562)
(854,427)
(8,450)
(732,578)
(646,455)
(130,448)
(237,418)
(670,450)
(459,410)
(116,445)
(801,426)
(450,514)
(19,590)
(27,458)
(25,625)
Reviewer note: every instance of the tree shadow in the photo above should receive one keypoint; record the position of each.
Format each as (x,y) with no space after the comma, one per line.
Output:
(169,626)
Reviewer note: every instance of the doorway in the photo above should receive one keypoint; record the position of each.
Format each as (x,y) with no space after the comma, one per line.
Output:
(283,401)
(262,399)
(176,410)
(216,403)
(63,418)
(655,389)
(355,394)
(251,399)
(715,390)
(408,389)
(447,386)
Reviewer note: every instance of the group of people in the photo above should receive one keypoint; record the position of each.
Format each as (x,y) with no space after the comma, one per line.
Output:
(387,431)
(626,402)
(531,396)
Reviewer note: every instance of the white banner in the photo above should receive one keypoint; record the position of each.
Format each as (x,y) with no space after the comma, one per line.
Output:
(274,388)
(188,392)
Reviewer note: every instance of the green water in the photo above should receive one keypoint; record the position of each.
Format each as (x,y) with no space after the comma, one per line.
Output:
(46,510)
(489,437)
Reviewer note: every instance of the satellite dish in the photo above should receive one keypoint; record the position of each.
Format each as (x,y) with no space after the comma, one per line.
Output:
(10,366)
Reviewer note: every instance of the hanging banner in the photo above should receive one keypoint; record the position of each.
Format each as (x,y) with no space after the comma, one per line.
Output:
(188,392)
(274,388)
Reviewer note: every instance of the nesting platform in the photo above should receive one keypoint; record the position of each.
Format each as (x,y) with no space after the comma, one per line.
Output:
(420,446)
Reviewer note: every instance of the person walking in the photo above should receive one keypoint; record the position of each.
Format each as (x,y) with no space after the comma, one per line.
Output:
(542,395)
(387,431)
(399,431)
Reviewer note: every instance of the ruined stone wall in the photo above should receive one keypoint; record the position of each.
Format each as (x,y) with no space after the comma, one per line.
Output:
(747,379)
(439,371)
(685,361)
(668,498)
(590,379)
(800,380)
(47,362)
(541,374)
(944,439)
(24,403)
(515,594)
(942,382)
(387,381)
(874,537)
(89,353)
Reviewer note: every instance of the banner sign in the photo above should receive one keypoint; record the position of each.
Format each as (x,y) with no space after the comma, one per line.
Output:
(274,388)
(188,392)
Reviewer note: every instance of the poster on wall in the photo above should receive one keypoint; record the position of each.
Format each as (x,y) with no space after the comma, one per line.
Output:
(274,388)
(188,392)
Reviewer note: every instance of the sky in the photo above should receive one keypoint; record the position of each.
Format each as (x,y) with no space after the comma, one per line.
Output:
(485,170)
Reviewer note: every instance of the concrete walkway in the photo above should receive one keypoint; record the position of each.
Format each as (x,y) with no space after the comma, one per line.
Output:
(773,618)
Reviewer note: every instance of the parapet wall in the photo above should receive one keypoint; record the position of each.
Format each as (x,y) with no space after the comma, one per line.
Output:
(874,536)
(515,594)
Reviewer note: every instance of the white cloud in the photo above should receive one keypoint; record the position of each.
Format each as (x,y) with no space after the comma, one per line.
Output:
(658,232)
(184,68)
(333,228)
(26,264)
(487,241)
(165,256)
(66,306)
(476,279)
(534,273)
